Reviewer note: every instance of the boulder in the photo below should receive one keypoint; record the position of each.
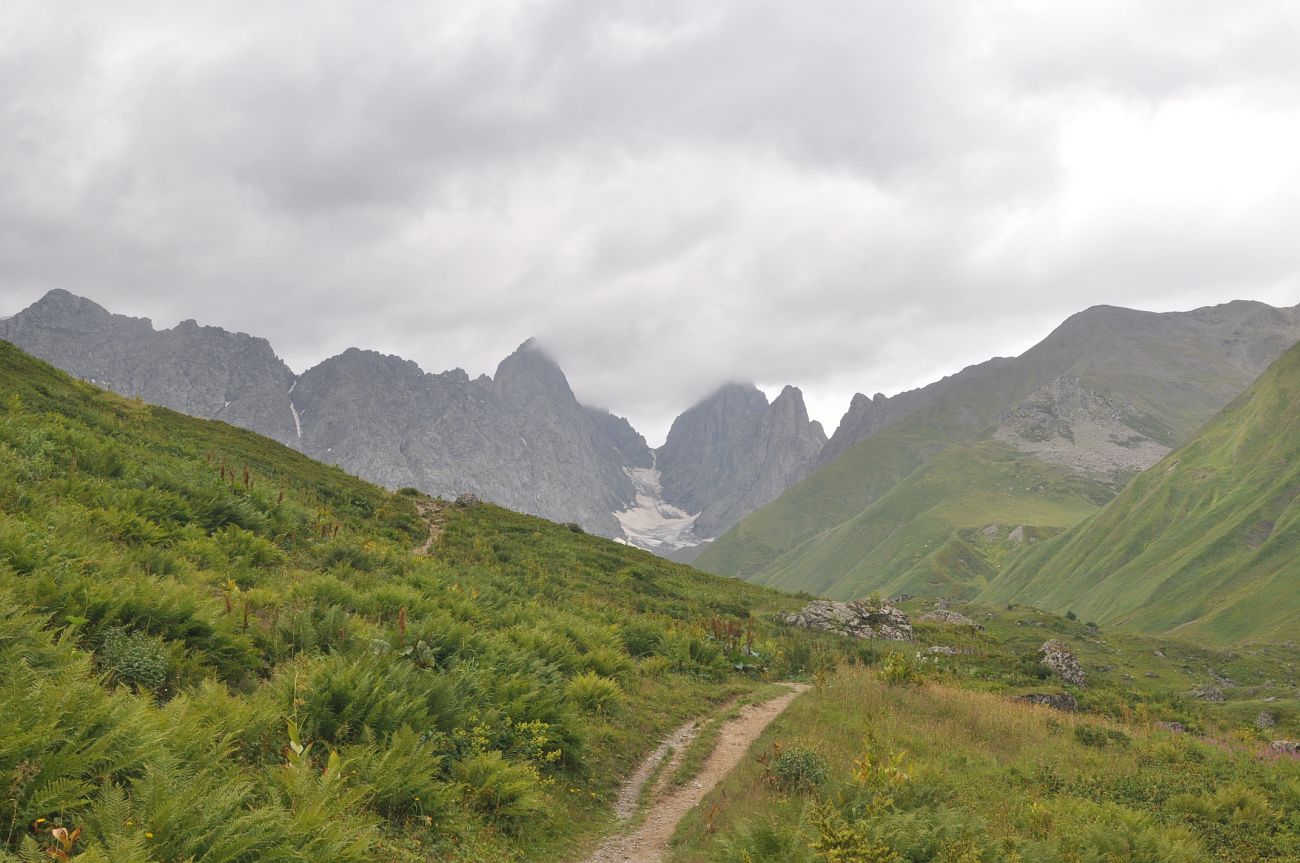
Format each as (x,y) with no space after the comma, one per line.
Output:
(1058,657)
(1057,701)
(466,500)
(1175,727)
(1265,719)
(1209,692)
(948,618)
(1289,746)
(858,619)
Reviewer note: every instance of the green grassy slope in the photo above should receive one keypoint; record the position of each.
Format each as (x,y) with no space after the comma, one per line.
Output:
(213,648)
(1174,370)
(1205,544)
(859,770)
(923,535)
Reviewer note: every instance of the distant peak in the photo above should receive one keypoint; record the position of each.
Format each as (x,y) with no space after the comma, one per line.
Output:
(532,366)
(58,298)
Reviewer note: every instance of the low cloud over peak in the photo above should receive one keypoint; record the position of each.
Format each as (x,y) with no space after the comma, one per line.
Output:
(849,197)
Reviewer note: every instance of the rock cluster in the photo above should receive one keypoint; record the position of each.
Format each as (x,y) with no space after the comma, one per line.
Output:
(1058,657)
(1209,692)
(948,618)
(858,619)
(1057,701)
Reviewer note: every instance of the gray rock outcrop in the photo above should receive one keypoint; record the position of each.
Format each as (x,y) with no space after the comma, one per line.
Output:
(857,619)
(1058,657)
(1055,700)
(947,618)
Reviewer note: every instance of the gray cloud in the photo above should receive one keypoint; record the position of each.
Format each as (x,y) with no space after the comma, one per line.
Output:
(839,195)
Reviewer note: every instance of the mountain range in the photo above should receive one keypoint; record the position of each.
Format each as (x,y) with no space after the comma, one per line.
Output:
(519,438)
(932,491)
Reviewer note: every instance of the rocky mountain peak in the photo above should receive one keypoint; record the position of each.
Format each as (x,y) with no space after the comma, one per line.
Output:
(530,372)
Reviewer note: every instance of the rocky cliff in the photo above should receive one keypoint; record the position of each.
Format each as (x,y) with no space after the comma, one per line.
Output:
(734,452)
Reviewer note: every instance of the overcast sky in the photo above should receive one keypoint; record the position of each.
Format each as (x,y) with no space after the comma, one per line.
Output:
(843,195)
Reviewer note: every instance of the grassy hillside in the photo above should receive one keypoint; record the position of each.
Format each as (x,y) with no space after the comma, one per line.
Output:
(926,534)
(215,649)
(931,758)
(843,531)
(1205,544)
(861,770)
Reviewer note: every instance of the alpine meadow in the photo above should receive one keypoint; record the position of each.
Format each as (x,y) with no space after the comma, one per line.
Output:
(678,432)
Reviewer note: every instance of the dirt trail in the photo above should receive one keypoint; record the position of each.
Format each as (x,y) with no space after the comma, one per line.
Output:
(649,841)
(431,512)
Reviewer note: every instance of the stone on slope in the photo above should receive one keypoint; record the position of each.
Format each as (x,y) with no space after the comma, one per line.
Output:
(1056,700)
(857,619)
(947,618)
(1058,657)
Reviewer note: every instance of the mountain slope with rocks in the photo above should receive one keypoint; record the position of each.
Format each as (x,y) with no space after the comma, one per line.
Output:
(1205,544)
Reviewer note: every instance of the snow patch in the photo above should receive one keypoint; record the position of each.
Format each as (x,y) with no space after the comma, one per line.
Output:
(297,418)
(651,522)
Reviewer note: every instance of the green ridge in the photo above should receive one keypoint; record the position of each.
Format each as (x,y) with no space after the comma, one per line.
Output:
(1205,544)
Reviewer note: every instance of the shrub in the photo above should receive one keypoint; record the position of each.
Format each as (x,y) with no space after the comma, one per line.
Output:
(608,662)
(899,670)
(401,777)
(764,841)
(595,694)
(136,659)
(504,793)
(1098,737)
(793,769)
(642,638)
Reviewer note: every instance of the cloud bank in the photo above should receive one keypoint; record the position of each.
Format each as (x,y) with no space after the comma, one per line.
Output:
(844,196)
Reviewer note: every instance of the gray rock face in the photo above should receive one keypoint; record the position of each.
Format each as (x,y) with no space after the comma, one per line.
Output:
(520,438)
(202,371)
(1068,424)
(1058,657)
(858,619)
(734,452)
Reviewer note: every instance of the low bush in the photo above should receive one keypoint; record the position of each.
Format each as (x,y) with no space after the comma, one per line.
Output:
(595,694)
